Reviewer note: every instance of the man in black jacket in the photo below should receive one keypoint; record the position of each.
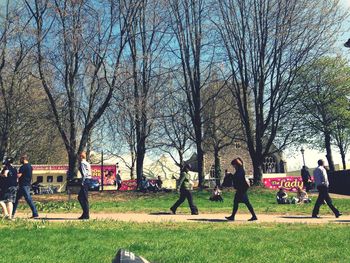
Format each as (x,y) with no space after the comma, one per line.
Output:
(241,186)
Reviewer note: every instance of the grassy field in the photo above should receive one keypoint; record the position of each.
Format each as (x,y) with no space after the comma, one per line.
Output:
(262,199)
(97,241)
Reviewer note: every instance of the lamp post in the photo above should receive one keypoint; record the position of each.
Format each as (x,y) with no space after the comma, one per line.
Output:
(302,153)
(102,172)
(347,43)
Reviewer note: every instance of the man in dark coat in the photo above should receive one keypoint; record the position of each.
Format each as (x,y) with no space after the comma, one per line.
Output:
(241,186)
(305,176)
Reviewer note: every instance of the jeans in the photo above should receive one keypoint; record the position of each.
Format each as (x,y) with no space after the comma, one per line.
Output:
(323,195)
(83,198)
(25,191)
(183,195)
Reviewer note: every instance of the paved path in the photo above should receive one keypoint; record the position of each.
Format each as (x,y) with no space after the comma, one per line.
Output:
(204,218)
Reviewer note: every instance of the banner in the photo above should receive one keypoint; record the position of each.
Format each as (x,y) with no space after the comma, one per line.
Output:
(109,171)
(289,183)
(130,185)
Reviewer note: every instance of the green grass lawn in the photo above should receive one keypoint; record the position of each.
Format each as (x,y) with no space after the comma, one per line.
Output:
(97,241)
(262,199)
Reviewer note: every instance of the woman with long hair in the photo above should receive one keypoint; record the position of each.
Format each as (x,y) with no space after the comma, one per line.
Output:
(241,185)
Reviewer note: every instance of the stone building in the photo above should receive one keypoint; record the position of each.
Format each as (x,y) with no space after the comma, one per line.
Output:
(224,136)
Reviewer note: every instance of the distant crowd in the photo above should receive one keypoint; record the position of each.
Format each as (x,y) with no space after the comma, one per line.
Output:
(15,184)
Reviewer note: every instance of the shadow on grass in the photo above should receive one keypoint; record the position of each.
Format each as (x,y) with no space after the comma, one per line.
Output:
(342,221)
(160,213)
(296,217)
(56,218)
(207,220)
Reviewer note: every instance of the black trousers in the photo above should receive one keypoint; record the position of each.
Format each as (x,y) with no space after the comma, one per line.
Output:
(323,195)
(307,185)
(83,198)
(185,194)
(241,196)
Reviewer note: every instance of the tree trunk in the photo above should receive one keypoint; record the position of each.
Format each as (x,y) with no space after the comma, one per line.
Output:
(72,165)
(200,162)
(217,166)
(342,153)
(257,168)
(329,156)
(132,168)
(197,123)
(140,156)
(88,148)
(4,144)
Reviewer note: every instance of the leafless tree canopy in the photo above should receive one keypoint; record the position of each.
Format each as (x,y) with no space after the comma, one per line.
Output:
(266,41)
(140,71)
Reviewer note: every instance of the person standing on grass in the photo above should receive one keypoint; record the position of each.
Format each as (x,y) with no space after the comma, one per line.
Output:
(9,173)
(241,186)
(305,176)
(185,191)
(83,196)
(322,183)
(25,174)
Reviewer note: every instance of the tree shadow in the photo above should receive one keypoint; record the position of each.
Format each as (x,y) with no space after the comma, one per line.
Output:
(342,221)
(208,220)
(296,217)
(160,213)
(56,218)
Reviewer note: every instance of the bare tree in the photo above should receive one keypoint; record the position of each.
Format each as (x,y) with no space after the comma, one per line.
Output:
(266,41)
(23,128)
(188,19)
(221,123)
(146,42)
(121,127)
(79,45)
(174,126)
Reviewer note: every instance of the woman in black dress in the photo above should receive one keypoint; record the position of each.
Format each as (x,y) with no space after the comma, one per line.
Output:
(241,186)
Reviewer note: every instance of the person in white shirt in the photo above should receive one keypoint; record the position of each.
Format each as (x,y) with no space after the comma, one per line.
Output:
(321,181)
(83,197)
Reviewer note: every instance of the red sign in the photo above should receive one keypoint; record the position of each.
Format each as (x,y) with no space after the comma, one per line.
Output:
(289,183)
(109,173)
(128,185)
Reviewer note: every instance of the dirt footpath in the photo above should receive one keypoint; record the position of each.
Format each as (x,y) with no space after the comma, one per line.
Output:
(203,218)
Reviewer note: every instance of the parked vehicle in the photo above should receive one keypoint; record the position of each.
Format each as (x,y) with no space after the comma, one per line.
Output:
(73,186)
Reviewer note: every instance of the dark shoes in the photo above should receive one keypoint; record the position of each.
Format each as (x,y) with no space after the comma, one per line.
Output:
(173,210)
(230,218)
(194,211)
(338,215)
(33,217)
(254,218)
(315,216)
(84,218)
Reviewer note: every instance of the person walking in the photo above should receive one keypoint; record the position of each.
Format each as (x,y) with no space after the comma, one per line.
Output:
(83,196)
(25,174)
(241,186)
(118,180)
(185,191)
(322,183)
(9,174)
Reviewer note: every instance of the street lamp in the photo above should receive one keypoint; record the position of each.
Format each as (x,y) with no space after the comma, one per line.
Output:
(302,153)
